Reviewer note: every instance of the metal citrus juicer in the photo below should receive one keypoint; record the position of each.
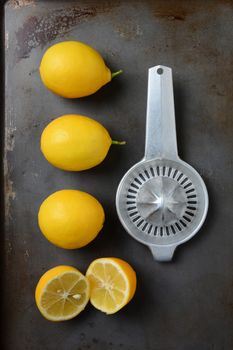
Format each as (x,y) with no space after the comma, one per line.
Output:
(161,201)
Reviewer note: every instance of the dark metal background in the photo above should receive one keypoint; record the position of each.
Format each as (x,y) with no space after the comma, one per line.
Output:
(183,305)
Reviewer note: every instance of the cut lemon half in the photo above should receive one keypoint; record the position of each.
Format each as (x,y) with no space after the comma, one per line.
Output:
(112,282)
(62,293)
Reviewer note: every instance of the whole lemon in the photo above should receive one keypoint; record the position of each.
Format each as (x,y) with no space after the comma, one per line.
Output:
(75,142)
(70,219)
(73,69)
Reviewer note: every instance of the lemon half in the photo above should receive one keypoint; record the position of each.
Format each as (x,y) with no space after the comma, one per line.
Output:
(112,282)
(62,293)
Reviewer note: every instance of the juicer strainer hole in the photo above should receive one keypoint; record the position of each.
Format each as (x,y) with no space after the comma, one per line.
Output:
(139,223)
(192,196)
(189,213)
(142,177)
(180,176)
(169,172)
(133,213)
(186,218)
(191,208)
(135,186)
(137,217)
(130,196)
(152,172)
(183,223)
(139,182)
(189,191)
(147,174)
(186,186)
(132,191)
(160,71)
(131,208)
(185,180)
(145,226)
(150,228)
(175,172)
(173,230)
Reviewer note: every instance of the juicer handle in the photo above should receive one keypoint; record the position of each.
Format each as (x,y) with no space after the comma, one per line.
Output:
(163,253)
(160,120)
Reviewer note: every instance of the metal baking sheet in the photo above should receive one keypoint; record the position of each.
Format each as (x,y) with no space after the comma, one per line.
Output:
(186,304)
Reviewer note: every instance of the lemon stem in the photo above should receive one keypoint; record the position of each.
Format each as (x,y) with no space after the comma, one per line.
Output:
(117,73)
(118,142)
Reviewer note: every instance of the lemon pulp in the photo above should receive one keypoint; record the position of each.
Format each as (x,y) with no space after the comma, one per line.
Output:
(112,283)
(62,293)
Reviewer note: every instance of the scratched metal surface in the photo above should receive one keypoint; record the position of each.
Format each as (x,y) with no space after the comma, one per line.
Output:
(186,304)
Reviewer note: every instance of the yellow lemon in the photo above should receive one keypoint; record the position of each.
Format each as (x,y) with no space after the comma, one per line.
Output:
(62,293)
(74,142)
(70,219)
(73,69)
(113,284)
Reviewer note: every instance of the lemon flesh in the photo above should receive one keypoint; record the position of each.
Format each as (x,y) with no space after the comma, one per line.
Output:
(73,69)
(62,293)
(112,283)
(75,142)
(70,219)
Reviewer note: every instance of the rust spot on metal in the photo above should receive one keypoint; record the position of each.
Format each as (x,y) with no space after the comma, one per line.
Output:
(171,15)
(20,3)
(10,138)
(38,31)
(26,255)
(180,10)
(8,190)
(8,183)
(169,10)
(129,30)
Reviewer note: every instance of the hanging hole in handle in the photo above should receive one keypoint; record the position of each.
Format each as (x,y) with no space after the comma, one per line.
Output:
(160,71)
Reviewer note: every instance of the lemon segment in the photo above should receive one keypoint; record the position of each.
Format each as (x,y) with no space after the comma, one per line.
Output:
(62,293)
(112,282)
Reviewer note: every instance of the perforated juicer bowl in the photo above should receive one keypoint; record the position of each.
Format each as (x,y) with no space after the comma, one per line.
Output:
(161,201)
